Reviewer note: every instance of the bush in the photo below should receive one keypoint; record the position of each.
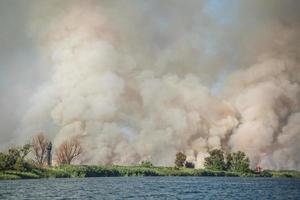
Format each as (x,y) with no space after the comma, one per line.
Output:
(15,159)
(265,173)
(146,164)
(4,164)
(189,165)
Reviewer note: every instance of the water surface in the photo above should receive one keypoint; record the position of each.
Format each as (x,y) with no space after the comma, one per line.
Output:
(152,188)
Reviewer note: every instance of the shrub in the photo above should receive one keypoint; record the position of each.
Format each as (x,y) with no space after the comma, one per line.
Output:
(15,159)
(146,164)
(189,165)
(4,161)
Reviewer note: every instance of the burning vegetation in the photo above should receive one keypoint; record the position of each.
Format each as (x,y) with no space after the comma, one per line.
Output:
(30,161)
(23,162)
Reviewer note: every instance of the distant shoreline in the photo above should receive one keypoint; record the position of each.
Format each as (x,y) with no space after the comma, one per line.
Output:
(82,171)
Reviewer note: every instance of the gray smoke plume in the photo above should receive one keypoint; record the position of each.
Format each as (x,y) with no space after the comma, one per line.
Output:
(141,80)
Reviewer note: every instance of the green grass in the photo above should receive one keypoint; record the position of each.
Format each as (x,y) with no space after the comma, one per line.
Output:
(100,171)
(17,175)
(80,171)
(107,171)
(4,176)
(286,174)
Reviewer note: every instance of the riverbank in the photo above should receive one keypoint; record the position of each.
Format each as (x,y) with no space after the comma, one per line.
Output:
(72,171)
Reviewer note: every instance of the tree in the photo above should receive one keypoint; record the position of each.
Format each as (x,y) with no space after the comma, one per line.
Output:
(238,162)
(4,161)
(39,146)
(215,160)
(68,151)
(180,159)
(228,161)
(15,158)
(25,150)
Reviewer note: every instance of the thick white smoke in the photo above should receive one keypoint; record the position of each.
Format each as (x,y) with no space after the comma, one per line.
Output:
(265,101)
(127,108)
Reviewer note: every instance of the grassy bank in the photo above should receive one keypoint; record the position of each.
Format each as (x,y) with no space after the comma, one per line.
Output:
(109,171)
(286,173)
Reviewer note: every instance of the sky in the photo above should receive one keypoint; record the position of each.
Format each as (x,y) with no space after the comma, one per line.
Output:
(143,80)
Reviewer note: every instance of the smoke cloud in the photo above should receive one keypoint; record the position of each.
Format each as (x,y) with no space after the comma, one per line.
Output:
(146,79)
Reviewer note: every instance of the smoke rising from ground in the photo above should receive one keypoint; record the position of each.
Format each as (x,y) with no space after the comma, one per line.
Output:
(144,80)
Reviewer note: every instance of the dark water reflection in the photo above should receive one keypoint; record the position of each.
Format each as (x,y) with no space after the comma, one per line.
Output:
(152,188)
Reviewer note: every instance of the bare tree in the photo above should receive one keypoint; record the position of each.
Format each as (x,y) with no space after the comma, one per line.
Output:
(68,151)
(39,146)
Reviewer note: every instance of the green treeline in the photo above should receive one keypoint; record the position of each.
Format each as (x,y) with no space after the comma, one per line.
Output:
(80,171)
(236,161)
(14,164)
(76,171)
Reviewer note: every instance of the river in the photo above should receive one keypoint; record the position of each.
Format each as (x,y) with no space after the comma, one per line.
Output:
(152,188)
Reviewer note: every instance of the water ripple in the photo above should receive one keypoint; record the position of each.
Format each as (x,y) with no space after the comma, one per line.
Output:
(152,188)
